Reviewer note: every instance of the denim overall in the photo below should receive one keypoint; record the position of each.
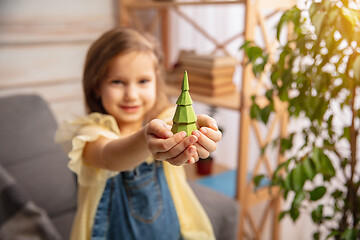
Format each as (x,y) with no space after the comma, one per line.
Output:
(137,205)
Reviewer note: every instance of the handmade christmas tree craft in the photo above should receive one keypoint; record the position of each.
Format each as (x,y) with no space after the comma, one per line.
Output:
(184,118)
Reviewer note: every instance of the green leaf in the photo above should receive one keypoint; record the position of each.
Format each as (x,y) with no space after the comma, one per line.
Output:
(350,15)
(317,193)
(332,15)
(292,14)
(258,68)
(317,21)
(297,178)
(283,94)
(316,158)
(254,53)
(323,163)
(294,213)
(282,214)
(265,113)
(337,194)
(332,234)
(257,179)
(330,170)
(344,162)
(283,20)
(350,234)
(287,181)
(313,9)
(346,133)
(269,94)
(286,192)
(309,168)
(255,111)
(316,235)
(286,143)
(282,165)
(299,197)
(330,127)
(317,214)
(245,45)
(275,75)
(345,25)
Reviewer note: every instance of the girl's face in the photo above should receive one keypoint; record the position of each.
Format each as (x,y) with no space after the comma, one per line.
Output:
(129,91)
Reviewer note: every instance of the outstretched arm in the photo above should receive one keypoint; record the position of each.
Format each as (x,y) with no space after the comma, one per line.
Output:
(128,152)
(119,154)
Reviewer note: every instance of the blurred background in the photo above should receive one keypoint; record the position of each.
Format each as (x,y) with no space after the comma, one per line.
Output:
(43,46)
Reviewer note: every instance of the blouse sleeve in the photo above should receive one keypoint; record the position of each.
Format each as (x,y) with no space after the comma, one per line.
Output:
(80,132)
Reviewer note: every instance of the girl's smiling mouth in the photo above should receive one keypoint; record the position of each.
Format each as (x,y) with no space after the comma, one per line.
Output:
(130,109)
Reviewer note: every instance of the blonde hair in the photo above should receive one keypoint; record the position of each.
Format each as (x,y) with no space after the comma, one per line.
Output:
(111,44)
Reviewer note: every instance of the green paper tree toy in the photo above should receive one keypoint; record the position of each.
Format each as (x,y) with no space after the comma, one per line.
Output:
(184,118)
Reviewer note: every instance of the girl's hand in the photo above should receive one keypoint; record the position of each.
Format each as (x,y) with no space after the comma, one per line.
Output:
(177,149)
(208,135)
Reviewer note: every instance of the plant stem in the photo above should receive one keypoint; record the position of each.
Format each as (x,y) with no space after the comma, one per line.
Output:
(353,143)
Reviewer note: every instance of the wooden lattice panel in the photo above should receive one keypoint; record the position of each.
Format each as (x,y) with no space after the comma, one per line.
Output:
(254,19)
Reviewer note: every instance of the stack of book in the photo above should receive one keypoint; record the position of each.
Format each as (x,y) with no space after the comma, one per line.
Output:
(209,75)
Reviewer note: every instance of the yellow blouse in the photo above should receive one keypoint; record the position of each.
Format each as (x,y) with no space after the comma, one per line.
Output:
(194,223)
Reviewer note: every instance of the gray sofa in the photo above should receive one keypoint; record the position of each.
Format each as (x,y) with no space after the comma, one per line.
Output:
(38,192)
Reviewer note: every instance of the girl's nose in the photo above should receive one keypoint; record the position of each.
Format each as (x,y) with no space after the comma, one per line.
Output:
(131,93)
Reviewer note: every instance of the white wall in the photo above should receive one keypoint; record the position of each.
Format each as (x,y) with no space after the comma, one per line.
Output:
(43,46)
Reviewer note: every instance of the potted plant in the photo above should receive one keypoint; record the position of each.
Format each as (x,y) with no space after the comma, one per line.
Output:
(317,73)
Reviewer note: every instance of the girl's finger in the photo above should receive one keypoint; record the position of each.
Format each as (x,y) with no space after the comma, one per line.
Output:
(159,128)
(185,156)
(201,151)
(206,121)
(194,158)
(158,145)
(205,141)
(177,149)
(211,133)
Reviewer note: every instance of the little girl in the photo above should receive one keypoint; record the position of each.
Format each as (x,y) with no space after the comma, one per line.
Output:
(128,162)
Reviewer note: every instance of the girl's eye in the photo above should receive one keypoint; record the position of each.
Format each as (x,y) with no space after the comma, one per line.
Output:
(144,81)
(117,82)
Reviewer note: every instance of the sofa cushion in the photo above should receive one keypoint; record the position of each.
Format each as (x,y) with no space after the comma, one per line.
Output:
(27,128)
(20,218)
(29,153)
(46,180)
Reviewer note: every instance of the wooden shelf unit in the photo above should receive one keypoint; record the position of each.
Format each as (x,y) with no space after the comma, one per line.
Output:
(239,101)
(192,175)
(229,101)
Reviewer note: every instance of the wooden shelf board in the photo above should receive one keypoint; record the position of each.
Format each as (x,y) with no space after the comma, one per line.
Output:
(254,197)
(136,4)
(191,173)
(229,101)
(165,4)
